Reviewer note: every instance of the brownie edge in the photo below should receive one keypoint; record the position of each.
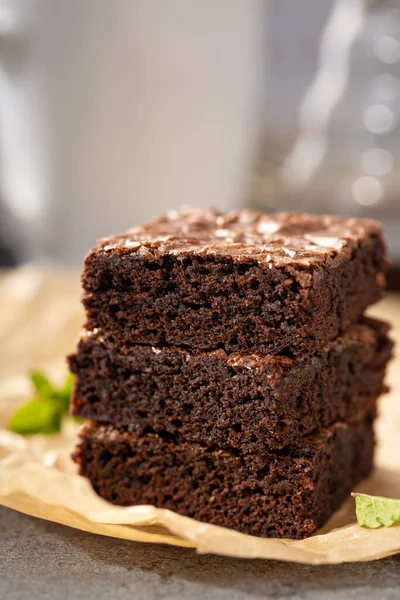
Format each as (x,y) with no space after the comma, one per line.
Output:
(286,494)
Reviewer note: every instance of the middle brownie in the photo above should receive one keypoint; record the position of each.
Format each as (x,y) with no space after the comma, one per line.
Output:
(243,401)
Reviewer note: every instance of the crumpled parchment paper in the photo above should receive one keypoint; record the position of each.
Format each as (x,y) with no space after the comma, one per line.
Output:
(40,319)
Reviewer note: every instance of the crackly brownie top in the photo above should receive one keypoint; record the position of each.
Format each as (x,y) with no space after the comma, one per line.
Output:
(272,238)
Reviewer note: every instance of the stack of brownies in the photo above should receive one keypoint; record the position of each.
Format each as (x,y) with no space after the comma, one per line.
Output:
(227,369)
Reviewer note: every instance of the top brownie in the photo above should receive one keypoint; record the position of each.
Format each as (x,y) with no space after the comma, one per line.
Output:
(243,281)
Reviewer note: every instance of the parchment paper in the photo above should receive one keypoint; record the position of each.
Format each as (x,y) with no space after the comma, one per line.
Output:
(39,322)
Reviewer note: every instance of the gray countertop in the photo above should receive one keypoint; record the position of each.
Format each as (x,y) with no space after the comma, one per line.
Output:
(39,559)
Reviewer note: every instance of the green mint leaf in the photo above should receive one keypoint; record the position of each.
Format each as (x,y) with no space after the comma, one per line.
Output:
(42,384)
(66,392)
(44,413)
(375,511)
(38,416)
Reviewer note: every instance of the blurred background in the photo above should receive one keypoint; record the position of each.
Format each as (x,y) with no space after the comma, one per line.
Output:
(111,112)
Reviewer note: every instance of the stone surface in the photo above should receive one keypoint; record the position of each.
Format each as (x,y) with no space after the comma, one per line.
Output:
(39,559)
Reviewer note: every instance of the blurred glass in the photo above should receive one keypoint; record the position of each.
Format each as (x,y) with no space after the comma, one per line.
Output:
(331,138)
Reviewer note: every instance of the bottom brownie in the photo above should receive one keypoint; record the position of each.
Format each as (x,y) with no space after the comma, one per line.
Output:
(286,493)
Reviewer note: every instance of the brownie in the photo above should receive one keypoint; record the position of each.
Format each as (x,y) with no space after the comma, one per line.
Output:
(241,281)
(239,401)
(287,493)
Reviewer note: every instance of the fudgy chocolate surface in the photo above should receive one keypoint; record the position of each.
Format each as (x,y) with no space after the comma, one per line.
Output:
(289,493)
(241,281)
(239,401)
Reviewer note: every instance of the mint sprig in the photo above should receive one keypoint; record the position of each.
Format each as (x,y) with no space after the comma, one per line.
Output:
(44,413)
(376,511)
